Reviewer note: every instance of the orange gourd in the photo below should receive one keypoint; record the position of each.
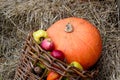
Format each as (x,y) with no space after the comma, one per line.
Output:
(78,39)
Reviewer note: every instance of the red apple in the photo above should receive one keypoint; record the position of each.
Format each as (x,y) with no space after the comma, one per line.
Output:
(58,54)
(47,44)
(53,76)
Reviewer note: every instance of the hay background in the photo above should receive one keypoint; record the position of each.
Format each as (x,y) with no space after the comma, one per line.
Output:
(18,17)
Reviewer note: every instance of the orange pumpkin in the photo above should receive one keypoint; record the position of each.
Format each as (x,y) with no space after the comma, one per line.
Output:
(78,39)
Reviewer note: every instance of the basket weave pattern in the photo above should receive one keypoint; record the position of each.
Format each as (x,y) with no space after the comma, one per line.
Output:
(33,53)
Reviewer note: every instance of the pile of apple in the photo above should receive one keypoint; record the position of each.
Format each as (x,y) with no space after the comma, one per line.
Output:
(41,38)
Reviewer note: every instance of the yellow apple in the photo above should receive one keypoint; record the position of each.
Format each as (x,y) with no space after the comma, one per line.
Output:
(77,65)
(39,34)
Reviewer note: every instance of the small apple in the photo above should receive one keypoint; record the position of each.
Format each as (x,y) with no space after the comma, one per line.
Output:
(47,44)
(58,54)
(37,70)
(39,34)
(77,65)
(41,65)
(65,78)
(53,76)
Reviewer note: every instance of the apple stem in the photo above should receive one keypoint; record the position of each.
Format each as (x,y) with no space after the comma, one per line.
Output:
(69,28)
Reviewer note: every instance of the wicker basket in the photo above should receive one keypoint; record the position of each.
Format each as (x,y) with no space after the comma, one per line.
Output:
(33,53)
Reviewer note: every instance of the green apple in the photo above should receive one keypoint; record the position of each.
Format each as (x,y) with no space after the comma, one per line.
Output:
(41,65)
(65,78)
(39,34)
(77,65)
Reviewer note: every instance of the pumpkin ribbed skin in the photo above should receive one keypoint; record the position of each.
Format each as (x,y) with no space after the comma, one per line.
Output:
(83,44)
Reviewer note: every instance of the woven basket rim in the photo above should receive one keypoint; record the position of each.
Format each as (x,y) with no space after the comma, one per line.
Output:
(50,62)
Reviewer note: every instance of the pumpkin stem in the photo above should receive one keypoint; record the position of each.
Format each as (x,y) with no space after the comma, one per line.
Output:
(69,28)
